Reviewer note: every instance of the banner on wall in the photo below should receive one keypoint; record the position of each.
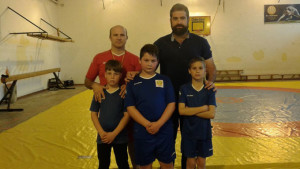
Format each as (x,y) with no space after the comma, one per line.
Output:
(282,13)
(199,25)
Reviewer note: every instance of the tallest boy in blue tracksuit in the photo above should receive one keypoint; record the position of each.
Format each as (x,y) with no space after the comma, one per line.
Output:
(150,101)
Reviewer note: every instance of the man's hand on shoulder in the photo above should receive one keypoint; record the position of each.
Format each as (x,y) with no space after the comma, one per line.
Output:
(98,91)
(97,88)
(210,85)
(123,91)
(130,75)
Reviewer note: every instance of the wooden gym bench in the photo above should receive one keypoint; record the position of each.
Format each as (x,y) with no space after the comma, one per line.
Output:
(14,78)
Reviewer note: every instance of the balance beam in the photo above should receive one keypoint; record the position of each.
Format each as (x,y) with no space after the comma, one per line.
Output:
(28,75)
(14,78)
(46,36)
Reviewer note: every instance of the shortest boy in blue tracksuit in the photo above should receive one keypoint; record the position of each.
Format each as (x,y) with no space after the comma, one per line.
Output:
(196,105)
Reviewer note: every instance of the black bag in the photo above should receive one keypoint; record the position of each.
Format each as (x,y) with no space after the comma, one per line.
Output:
(68,83)
(52,84)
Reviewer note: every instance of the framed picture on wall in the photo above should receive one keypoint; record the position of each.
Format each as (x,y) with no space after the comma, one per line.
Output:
(282,13)
(200,25)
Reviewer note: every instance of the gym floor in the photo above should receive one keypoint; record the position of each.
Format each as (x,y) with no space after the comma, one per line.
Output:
(257,125)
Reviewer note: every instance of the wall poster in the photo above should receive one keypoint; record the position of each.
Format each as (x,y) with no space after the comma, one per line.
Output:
(282,13)
(199,25)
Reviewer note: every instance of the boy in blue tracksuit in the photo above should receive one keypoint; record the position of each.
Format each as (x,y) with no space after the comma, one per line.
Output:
(197,106)
(110,119)
(150,101)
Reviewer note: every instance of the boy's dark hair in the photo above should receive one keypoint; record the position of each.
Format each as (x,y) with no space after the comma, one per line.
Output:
(179,7)
(113,65)
(149,48)
(197,59)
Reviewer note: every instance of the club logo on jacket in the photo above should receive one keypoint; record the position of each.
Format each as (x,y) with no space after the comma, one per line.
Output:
(159,83)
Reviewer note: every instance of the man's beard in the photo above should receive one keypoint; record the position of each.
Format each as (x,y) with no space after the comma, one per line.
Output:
(179,31)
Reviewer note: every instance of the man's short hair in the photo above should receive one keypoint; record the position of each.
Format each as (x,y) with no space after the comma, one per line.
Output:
(113,65)
(149,48)
(179,7)
(118,26)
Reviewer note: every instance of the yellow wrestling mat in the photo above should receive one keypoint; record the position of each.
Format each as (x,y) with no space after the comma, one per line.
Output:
(276,84)
(64,137)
